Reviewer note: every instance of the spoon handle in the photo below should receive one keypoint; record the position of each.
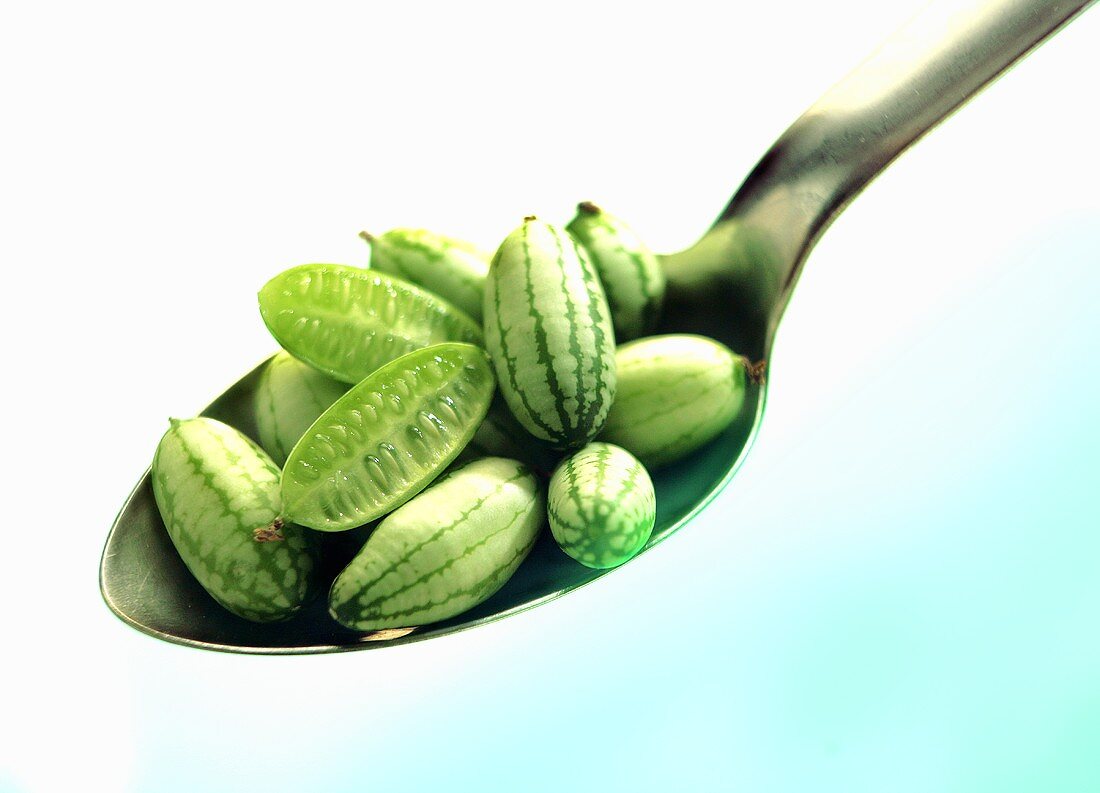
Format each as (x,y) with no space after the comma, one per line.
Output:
(921,74)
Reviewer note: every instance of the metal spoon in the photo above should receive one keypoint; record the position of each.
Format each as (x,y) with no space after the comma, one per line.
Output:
(732,285)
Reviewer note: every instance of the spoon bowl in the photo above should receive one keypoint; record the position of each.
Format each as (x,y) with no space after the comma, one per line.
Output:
(145,582)
(732,285)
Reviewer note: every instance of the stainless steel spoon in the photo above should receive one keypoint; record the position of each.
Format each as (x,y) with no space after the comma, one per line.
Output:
(733,285)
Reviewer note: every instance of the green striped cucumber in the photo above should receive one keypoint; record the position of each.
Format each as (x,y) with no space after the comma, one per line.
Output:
(387,438)
(347,321)
(218,494)
(445,551)
(676,392)
(289,397)
(548,331)
(453,269)
(630,272)
(601,505)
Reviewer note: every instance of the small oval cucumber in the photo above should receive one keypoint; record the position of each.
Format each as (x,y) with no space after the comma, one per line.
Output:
(444,551)
(630,272)
(347,321)
(218,494)
(289,398)
(548,330)
(383,441)
(676,393)
(453,269)
(601,505)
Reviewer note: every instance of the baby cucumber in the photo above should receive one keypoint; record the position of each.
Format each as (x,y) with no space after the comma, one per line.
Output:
(601,505)
(289,397)
(676,392)
(444,551)
(347,321)
(453,269)
(387,438)
(548,330)
(218,494)
(631,275)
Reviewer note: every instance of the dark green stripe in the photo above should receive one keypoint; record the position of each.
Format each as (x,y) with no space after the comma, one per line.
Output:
(650,307)
(574,486)
(375,606)
(434,251)
(509,362)
(600,339)
(570,431)
(477,590)
(562,521)
(520,473)
(542,348)
(626,398)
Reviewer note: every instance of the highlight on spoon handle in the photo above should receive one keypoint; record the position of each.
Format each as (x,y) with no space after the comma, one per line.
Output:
(927,69)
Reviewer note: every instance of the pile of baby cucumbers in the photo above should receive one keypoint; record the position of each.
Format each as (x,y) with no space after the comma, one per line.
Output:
(455,403)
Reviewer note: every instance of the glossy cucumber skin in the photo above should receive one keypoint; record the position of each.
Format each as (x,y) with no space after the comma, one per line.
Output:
(347,321)
(602,506)
(218,494)
(548,331)
(289,398)
(676,393)
(453,269)
(387,438)
(443,552)
(631,275)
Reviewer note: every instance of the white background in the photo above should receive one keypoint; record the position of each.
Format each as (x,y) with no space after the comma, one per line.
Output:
(159,163)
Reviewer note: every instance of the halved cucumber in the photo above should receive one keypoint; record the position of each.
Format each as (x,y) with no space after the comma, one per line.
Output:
(387,438)
(347,321)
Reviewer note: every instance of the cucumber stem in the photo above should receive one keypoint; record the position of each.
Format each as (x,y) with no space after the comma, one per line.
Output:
(272,532)
(757,371)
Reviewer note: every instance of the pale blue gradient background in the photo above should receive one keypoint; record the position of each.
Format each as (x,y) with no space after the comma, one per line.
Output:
(913,608)
(898,592)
